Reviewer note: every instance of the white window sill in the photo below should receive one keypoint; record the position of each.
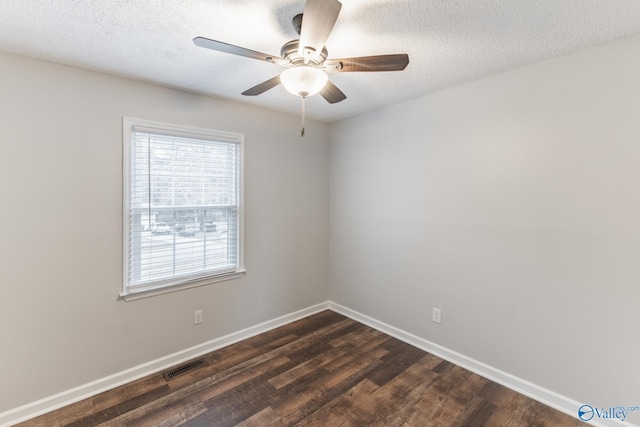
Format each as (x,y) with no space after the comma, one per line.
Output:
(136,295)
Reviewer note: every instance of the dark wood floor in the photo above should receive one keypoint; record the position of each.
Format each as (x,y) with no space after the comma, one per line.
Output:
(325,370)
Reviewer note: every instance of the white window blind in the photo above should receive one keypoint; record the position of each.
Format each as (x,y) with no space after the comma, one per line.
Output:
(182,205)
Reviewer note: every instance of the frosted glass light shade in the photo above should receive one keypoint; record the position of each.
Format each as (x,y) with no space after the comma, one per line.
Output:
(303,80)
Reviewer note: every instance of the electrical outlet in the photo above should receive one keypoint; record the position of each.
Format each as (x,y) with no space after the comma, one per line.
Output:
(436,315)
(197,317)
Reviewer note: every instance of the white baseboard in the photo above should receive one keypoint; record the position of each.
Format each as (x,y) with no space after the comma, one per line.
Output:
(48,404)
(541,394)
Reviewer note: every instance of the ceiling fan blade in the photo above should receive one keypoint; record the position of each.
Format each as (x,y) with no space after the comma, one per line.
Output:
(318,19)
(263,87)
(396,62)
(240,51)
(332,94)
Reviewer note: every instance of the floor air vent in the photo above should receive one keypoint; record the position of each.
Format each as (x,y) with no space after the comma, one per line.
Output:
(182,369)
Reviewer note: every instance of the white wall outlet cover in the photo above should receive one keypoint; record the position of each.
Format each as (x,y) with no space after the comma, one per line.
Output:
(436,315)
(197,317)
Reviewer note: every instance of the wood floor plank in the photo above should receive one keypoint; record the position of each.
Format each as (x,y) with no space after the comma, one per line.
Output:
(123,407)
(497,394)
(307,367)
(400,356)
(476,413)
(341,410)
(85,409)
(339,363)
(159,416)
(455,378)
(355,337)
(293,399)
(263,418)
(242,377)
(199,390)
(539,414)
(228,358)
(153,413)
(239,403)
(410,411)
(430,361)
(421,412)
(110,398)
(353,366)
(468,389)
(385,403)
(300,399)
(445,413)
(177,402)
(324,370)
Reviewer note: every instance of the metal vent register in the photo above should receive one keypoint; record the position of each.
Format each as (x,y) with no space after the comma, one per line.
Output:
(182,369)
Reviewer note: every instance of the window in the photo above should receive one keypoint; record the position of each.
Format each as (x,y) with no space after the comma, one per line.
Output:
(182,207)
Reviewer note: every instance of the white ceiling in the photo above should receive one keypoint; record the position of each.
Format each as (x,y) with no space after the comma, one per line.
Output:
(449,42)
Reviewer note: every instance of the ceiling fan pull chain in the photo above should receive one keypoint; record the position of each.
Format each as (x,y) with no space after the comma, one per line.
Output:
(302,114)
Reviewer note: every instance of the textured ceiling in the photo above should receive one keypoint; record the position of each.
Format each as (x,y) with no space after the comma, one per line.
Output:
(449,42)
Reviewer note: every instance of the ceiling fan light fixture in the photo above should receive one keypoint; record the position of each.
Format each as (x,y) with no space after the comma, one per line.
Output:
(303,80)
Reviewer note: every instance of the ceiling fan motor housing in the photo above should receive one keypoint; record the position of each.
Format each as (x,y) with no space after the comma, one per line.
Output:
(289,51)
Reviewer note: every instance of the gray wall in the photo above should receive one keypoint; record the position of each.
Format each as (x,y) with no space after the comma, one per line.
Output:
(512,204)
(61,323)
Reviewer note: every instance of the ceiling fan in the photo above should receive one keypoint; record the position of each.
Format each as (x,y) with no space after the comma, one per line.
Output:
(306,58)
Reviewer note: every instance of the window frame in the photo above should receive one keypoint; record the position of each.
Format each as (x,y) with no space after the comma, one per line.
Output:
(194,280)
